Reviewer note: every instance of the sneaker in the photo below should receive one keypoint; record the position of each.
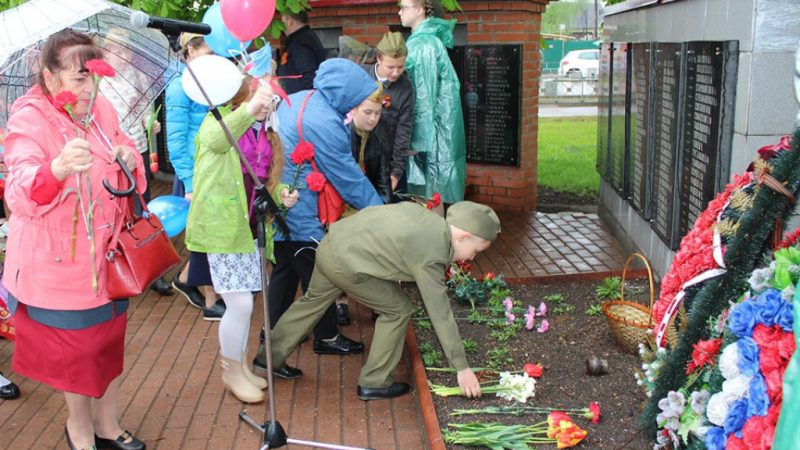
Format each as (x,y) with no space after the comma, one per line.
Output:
(192,294)
(214,313)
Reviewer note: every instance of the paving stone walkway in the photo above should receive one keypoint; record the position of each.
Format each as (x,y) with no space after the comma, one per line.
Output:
(173,398)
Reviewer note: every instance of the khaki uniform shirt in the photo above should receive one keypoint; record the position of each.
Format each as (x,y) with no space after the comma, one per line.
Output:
(404,242)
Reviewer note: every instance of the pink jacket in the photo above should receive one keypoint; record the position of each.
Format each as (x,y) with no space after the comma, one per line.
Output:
(40,269)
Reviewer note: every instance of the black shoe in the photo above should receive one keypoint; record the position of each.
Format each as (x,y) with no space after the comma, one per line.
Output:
(120,443)
(69,441)
(192,294)
(342,314)
(9,391)
(287,372)
(161,286)
(342,345)
(393,390)
(214,313)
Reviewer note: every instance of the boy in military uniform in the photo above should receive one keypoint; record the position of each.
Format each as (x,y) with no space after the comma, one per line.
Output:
(365,255)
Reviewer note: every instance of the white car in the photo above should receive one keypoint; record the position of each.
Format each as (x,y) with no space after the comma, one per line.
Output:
(580,63)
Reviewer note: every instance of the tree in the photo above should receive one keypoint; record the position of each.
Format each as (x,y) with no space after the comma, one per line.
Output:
(573,14)
(193,10)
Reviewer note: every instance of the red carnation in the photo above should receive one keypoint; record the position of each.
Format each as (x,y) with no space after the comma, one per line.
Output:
(769,359)
(435,201)
(315,181)
(786,346)
(594,407)
(735,443)
(533,370)
(65,101)
(767,437)
(764,335)
(773,413)
(704,353)
(304,152)
(752,431)
(488,276)
(99,67)
(774,382)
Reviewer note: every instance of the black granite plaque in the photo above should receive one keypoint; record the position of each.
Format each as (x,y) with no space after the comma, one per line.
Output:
(617,151)
(701,129)
(490,98)
(639,169)
(603,111)
(666,141)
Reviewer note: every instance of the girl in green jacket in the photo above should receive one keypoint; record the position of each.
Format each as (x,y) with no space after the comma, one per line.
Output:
(218,225)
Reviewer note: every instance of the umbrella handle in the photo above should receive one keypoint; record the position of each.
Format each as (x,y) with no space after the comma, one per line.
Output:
(128,174)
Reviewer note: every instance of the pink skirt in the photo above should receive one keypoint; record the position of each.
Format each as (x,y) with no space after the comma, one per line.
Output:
(81,361)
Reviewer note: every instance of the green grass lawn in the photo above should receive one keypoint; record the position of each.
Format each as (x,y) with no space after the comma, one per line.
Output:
(568,153)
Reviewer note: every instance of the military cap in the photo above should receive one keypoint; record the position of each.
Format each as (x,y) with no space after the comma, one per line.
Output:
(475,218)
(393,45)
(377,95)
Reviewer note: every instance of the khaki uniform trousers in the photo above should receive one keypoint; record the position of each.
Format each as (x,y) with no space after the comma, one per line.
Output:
(332,277)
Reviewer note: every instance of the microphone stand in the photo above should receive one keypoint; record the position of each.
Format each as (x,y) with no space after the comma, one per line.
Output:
(263,204)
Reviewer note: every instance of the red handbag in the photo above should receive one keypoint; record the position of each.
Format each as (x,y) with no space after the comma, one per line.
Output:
(330,205)
(139,253)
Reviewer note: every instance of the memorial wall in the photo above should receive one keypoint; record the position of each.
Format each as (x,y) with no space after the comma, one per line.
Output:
(661,138)
(490,99)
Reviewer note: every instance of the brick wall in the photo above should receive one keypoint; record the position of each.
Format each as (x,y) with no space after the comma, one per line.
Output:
(488,22)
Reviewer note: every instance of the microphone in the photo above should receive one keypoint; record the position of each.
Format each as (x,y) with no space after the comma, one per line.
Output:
(168,26)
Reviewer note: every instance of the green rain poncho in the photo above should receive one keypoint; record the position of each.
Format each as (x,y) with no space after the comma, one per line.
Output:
(438,130)
(787,434)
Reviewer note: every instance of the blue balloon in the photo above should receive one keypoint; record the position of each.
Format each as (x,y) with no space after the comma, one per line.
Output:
(172,211)
(220,40)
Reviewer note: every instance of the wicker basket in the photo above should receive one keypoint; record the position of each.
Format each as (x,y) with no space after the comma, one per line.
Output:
(631,323)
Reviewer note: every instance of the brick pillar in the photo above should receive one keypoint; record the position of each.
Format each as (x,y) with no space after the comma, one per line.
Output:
(488,22)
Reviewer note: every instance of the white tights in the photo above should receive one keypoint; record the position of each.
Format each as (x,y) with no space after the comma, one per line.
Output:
(235,324)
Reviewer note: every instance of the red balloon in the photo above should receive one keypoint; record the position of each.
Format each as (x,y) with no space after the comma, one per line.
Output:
(247,19)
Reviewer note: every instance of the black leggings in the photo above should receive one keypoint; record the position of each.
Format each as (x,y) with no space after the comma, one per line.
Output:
(294,265)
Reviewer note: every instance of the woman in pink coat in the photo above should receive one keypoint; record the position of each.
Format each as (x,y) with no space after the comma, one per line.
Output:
(70,335)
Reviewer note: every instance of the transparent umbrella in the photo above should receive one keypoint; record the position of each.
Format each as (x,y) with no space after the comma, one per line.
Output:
(141,57)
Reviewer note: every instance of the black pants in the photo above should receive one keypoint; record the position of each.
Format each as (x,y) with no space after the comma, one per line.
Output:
(290,268)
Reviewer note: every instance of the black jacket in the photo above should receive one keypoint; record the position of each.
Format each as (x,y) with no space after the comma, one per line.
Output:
(302,55)
(377,157)
(397,117)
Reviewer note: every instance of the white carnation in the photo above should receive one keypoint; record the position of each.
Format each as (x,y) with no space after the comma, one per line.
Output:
(736,387)
(717,409)
(516,387)
(729,361)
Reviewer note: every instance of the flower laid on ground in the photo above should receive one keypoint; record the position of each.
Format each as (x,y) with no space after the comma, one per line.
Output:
(509,386)
(475,291)
(544,326)
(533,370)
(591,412)
(558,429)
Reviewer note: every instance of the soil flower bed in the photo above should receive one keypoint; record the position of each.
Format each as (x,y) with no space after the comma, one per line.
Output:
(575,334)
